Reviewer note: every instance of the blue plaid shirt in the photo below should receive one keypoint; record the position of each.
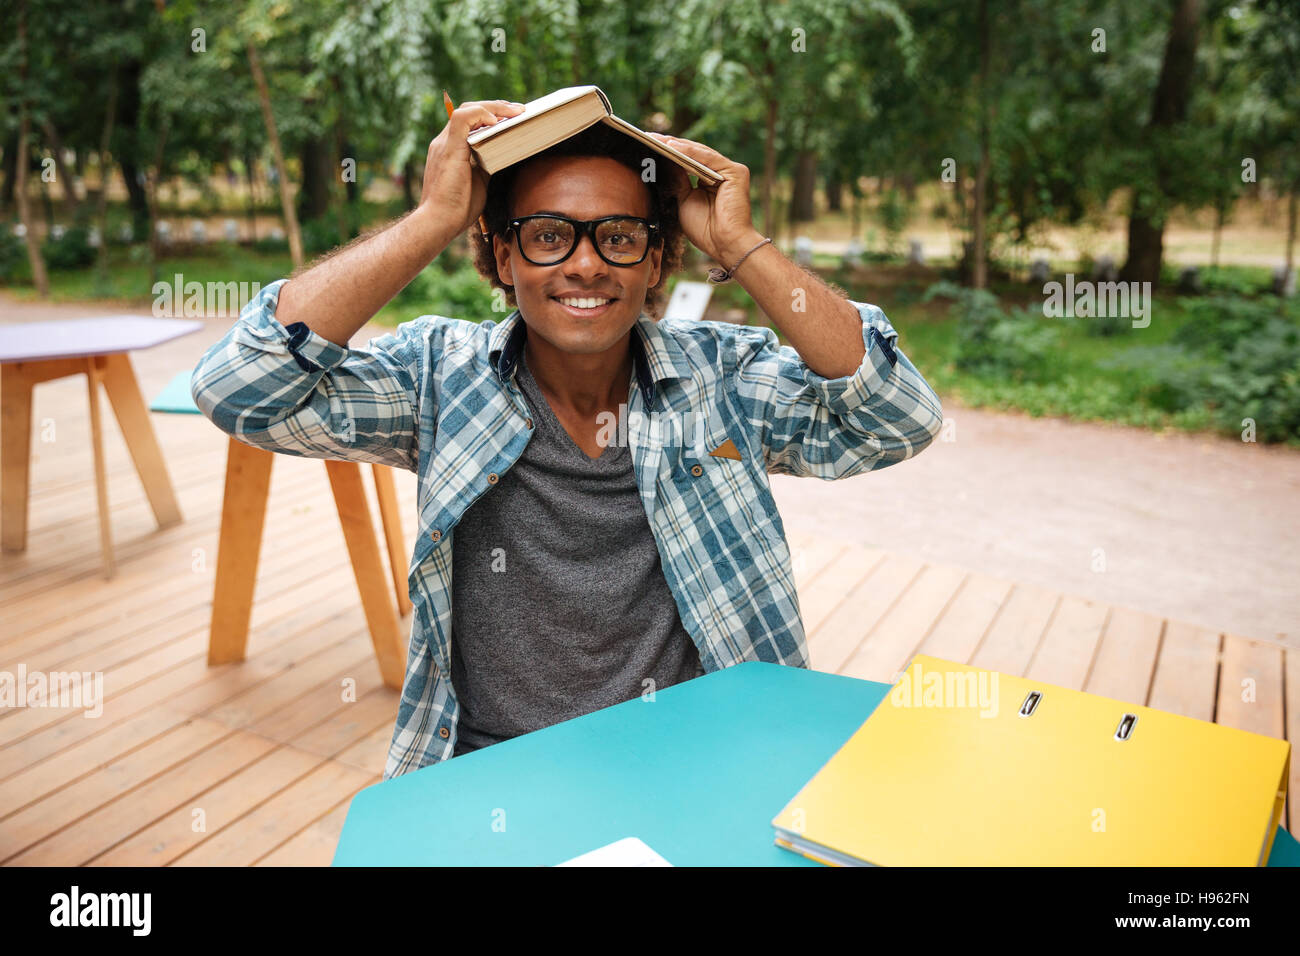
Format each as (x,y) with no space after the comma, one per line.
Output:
(438,397)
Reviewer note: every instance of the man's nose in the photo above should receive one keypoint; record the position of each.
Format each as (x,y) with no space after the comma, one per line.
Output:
(585,258)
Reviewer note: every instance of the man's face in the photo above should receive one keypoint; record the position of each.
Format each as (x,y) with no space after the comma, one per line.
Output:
(581,187)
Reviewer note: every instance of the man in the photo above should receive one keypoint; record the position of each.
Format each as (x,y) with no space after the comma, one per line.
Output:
(595,517)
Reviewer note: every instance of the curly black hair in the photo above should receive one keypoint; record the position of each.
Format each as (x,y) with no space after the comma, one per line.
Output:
(597,140)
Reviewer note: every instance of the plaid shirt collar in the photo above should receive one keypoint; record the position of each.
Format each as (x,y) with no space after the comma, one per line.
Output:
(656,356)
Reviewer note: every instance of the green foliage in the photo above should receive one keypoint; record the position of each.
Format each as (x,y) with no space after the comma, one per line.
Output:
(13,256)
(72,250)
(460,293)
(991,342)
(1239,358)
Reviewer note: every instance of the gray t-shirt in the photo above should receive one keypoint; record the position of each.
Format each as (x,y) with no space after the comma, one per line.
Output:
(559,603)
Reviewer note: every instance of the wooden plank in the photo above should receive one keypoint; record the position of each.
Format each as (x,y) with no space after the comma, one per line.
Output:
(175,787)
(376,709)
(1250,687)
(1009,644)
(809,560)
(828,589)
(267,826)
(961,628)
(1126,659)
(1187,672)
(118,776)
(36,781)
(313,846)
(884,654)
(371,752)
(1064,655)
(834,642)
(176,832)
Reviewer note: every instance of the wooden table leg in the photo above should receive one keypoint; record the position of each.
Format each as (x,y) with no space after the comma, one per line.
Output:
(93,374)
(243,514)
(15,454)
(133,418)
(391,516)
(367,566)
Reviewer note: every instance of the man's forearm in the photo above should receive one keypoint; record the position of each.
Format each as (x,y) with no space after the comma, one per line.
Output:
(337,296)
(827,334)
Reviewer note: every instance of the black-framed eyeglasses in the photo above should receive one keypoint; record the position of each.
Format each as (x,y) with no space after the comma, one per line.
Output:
(547,240)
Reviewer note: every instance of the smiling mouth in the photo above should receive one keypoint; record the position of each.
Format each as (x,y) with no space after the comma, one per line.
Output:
(584,305)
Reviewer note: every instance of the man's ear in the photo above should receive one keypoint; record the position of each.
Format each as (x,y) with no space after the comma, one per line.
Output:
(656,259)
(501,251)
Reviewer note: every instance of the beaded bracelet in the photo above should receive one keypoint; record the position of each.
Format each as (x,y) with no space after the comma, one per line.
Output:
(717,276)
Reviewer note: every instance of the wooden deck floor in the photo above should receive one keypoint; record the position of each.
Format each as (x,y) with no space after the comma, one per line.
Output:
(254,763)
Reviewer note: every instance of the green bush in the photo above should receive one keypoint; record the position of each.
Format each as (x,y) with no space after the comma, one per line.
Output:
(13,255)
(459,294)
(1236,358)
(72,250)
(1018,346)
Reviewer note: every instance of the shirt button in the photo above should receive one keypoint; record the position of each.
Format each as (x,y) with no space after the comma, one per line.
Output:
(529,423)
(444,733)
(435,534)
(492,478)
(696,470)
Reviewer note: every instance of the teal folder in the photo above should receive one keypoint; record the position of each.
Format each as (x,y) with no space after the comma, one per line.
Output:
(176,397)
(698,773)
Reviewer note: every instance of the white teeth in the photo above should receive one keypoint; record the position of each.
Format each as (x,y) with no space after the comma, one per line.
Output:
(584,303)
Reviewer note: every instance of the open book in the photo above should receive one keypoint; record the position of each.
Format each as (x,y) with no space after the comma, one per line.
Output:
(554,118)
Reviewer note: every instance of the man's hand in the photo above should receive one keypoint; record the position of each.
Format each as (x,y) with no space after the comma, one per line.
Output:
(454,189)
(338,295)
(716,219)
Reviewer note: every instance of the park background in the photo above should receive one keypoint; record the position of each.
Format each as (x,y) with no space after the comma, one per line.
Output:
(1154,142)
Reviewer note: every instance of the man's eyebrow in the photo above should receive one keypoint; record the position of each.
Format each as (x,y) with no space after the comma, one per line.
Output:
(552,212)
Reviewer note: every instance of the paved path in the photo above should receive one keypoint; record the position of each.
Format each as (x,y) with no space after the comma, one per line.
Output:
(1198,528)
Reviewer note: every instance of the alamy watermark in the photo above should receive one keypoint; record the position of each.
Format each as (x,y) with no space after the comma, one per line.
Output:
(1086,299)
(946,688)
(75,690)
(179,298)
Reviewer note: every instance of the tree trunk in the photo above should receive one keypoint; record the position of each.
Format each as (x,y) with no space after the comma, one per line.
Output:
(10,171)
(286,196)
(250,169)
(39,278)
(979,265)
(769,160)
(151,193)
(408,185)
(803,207)
(70,202)
(1146,225)
(105,175)
(1220,215)
(834,193)
(1291,230)
(314,195)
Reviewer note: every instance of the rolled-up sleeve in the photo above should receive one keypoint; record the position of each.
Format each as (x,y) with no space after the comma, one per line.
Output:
(813,426)
(290,390)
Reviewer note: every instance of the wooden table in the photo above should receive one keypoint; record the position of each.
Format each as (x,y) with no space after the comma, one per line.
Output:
(97,347)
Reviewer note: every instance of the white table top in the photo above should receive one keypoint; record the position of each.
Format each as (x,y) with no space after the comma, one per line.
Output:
(80,338)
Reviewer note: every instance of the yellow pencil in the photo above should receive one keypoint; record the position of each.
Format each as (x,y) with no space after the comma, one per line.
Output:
(446,101)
